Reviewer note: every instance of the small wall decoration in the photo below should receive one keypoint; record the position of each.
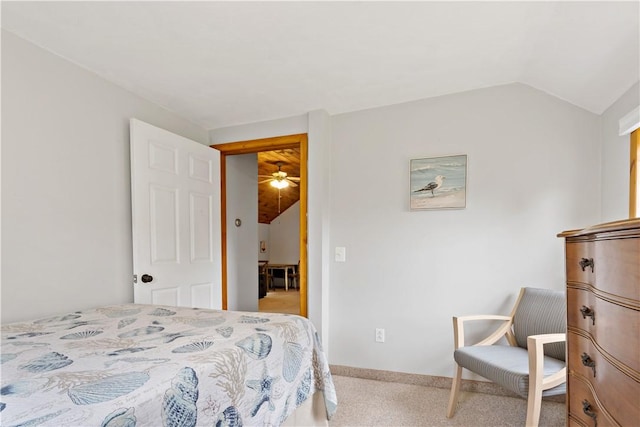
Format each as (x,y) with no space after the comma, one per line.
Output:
(263,246)
(438,183)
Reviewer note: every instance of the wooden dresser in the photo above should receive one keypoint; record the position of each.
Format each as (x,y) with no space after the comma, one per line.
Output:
(603,324)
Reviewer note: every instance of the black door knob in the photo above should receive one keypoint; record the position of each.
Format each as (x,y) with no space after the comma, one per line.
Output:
(146,278)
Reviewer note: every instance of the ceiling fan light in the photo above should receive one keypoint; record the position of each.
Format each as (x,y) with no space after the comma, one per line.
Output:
(279,183)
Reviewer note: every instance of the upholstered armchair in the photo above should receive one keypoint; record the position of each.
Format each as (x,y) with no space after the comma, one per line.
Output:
(532,365)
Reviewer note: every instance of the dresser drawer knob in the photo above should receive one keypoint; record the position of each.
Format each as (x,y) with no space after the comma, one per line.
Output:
(587,409)
(589,363)
(586,262)
(588,312)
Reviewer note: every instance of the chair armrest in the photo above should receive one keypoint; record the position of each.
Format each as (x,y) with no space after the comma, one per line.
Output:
(458,329)
(546,339)
(535,349)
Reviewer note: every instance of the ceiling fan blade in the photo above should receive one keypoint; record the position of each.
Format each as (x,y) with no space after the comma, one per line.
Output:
(291,183)
(265,176)
(293,178)
(265,180)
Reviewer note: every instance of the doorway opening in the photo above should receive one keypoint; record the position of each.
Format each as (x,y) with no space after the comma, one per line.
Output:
(298,142)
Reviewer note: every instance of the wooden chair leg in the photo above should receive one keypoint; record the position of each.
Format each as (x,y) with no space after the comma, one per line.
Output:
(534,404)
(455,391)
(535,350)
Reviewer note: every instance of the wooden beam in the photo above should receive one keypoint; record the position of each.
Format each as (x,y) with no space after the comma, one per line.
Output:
(264,144)
(223,221)
(302,267)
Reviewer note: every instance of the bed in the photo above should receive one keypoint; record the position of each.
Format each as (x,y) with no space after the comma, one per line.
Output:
(147,365)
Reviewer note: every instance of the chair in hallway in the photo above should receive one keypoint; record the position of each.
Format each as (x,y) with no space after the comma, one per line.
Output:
(533,364)
(294,277)
(277,277)
(263,278)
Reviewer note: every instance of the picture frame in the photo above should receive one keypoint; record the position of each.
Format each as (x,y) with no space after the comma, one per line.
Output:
(438,182)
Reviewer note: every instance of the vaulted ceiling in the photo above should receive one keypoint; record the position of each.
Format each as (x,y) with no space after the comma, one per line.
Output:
(225,63)
(272,202)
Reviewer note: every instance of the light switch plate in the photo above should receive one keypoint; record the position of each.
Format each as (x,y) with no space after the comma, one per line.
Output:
(341,254)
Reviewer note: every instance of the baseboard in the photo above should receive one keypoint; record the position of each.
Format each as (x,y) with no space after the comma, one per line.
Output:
(427,381)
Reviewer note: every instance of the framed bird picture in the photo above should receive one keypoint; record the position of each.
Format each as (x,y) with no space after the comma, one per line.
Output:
(438,183)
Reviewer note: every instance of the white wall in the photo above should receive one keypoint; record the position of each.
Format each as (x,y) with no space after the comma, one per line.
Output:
(284,236)
(242,260)
(533,171)
(267,129)
(66,201)
(615,157)
(319,222)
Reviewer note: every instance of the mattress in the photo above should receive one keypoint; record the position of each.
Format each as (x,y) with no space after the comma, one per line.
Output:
(138,365)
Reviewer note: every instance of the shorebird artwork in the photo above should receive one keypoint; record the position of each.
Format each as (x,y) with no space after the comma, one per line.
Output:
(434,185)
(438,182)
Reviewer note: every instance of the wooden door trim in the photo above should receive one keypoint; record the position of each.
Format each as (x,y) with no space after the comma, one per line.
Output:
(255,146)
(634,174)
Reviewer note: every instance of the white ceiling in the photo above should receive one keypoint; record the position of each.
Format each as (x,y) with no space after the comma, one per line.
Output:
(225,63)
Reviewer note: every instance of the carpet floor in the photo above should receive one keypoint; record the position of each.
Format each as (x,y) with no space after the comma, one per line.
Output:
(364,402)
(280,301)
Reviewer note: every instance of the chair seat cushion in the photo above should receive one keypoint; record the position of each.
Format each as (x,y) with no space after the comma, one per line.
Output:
(507,366)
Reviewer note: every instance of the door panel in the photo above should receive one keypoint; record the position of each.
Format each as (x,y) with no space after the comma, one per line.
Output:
(163,217)
(200,213)
(176,219)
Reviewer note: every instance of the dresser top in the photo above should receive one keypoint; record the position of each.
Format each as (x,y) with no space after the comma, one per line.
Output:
(622,225)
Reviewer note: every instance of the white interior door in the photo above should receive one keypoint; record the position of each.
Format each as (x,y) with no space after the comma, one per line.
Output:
(175,204)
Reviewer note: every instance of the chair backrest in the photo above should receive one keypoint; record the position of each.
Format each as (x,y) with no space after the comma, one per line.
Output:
(263,266)
(541,311)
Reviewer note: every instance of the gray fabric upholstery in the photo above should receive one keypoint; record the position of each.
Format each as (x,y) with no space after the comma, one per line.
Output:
(541,311)
(507,366)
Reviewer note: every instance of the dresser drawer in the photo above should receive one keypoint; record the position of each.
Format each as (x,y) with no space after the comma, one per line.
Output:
(617,267)
(578,255)
(583,406)
(572,422)
(615,329)
(605,331)
(616,391)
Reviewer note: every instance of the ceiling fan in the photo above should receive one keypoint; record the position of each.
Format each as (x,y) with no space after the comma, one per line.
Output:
(280,179)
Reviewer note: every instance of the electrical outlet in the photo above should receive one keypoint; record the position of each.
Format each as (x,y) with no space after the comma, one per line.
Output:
(379,335)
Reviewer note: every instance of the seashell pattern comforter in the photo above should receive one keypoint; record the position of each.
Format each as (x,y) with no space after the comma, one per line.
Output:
(143,365)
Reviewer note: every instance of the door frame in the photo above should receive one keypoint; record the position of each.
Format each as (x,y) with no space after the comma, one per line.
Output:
(255,146)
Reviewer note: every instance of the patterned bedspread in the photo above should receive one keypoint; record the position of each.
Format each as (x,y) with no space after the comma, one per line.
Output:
(135,365)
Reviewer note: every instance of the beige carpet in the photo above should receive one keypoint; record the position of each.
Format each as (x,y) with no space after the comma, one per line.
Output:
(364,402)
(280,301)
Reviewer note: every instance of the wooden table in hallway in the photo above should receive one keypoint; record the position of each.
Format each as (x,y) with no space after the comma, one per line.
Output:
(285,268)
